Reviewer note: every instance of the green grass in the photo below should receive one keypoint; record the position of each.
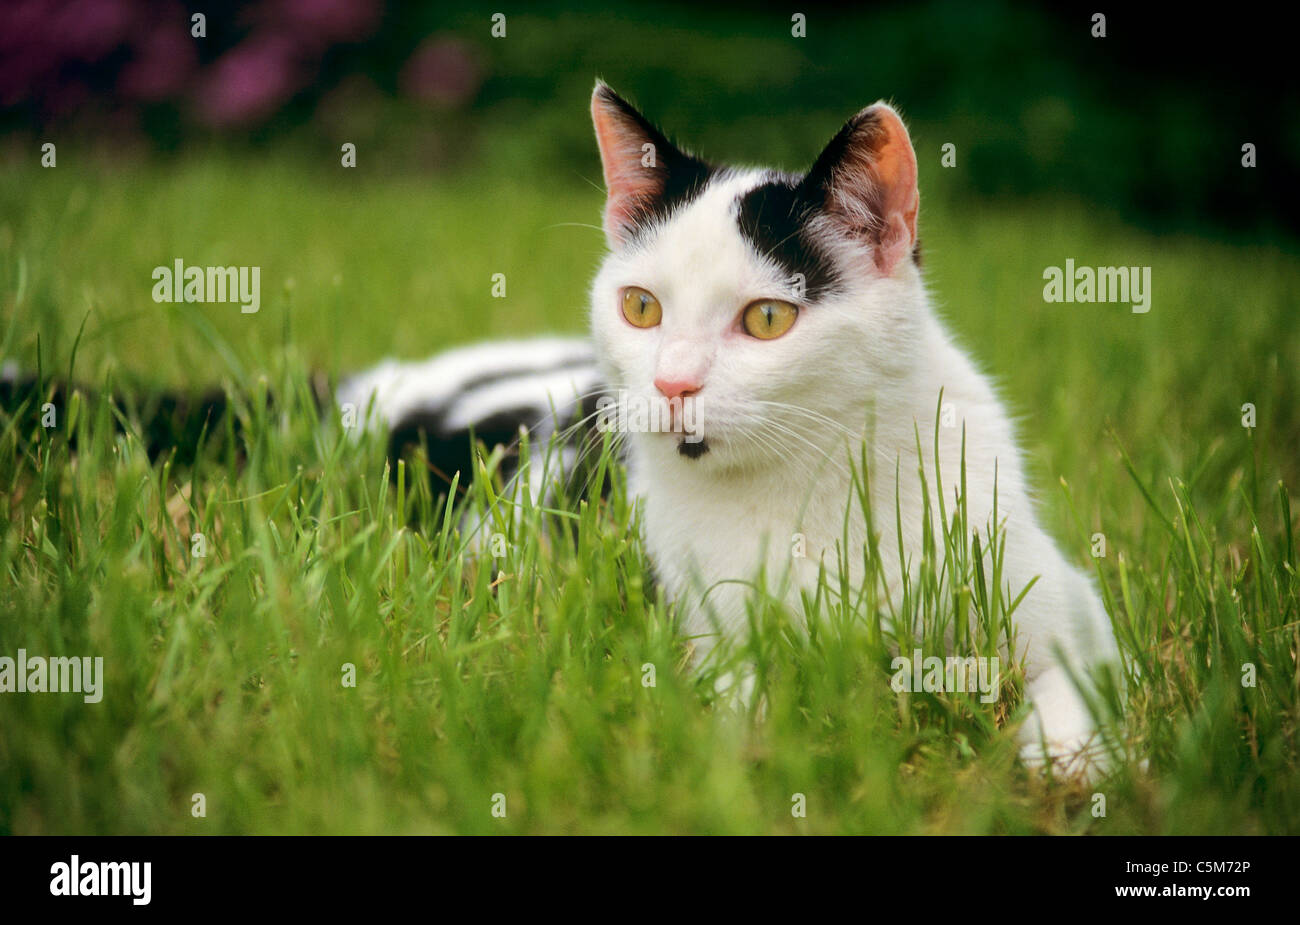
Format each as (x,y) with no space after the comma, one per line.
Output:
(523,675)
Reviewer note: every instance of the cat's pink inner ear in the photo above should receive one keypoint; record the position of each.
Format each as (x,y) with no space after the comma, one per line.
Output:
(900,200)
(633,174)
(878,176)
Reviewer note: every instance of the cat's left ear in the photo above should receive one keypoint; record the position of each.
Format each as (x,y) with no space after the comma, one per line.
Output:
(643,169)
(866,181)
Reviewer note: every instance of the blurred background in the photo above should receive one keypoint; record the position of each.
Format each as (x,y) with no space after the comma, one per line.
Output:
(1149,118)
(474,156)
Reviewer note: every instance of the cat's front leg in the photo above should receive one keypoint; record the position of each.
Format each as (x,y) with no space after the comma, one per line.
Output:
(1070,649)
(1060,730)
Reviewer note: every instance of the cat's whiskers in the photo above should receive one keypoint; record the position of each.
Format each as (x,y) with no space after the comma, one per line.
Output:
(808,412)
(590,182)
(567,432)
(789,431)
(595,442)
(855,439)
(784,454)
(615,453)
(772,434)
(574,225)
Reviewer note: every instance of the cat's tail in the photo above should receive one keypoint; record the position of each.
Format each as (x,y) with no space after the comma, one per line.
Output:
(174,422)
(486,392)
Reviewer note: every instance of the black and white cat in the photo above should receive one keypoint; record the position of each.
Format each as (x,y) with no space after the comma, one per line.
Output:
(791,312)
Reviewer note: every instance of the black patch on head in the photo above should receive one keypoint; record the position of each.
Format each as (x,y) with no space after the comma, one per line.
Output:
(774,218)
(775,215)
(693,450)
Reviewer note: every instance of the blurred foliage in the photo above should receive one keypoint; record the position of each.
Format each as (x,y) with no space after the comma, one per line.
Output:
(1147,122)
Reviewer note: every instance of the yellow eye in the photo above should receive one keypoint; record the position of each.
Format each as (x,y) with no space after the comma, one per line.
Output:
(768,318)
(640,308)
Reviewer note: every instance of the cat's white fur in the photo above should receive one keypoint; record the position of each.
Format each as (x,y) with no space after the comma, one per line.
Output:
(866,364)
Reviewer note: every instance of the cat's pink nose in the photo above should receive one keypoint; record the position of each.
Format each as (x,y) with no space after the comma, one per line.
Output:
(676,388)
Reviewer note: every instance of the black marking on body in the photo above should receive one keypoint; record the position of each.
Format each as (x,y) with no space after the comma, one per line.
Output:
(450,450)
(515,372)
(175,424)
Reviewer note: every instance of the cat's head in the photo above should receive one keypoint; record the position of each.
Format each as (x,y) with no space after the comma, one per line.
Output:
(776,303)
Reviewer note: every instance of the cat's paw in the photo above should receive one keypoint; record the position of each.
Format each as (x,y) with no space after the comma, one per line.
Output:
(1060,732)
(1084,758)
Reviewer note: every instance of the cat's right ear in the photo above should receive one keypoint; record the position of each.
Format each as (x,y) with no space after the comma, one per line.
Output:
(642,167)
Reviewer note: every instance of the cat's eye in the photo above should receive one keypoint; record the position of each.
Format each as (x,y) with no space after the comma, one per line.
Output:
(640,308)
(768,318)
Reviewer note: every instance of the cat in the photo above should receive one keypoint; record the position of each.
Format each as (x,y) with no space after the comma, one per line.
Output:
(791,310)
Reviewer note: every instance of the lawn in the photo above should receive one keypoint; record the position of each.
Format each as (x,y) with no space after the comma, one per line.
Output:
(509,695)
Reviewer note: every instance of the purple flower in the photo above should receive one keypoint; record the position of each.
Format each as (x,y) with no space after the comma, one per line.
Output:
(39,39)
(89,29)
(330,20)
(161,64)
(249,82)
(443,70)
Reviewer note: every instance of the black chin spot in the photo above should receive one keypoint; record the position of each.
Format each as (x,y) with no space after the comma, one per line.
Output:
(693,450)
